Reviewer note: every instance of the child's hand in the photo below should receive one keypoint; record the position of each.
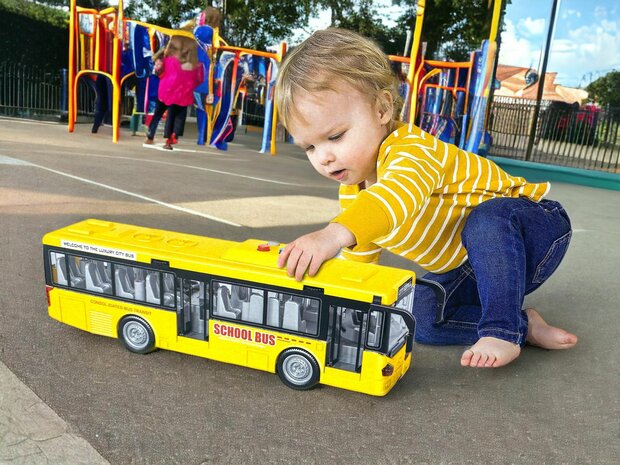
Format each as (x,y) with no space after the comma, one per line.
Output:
(308,252)
(187,66)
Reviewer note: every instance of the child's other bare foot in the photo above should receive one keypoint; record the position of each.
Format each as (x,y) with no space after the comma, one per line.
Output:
(541,334)
(490,352)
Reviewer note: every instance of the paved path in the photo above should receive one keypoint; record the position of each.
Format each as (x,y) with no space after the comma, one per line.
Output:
(67,392)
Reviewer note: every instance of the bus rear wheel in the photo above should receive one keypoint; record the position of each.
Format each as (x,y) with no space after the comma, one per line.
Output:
(298,369)
(136,335)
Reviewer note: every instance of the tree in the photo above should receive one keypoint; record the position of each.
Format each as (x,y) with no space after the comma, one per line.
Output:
(246,23)
(258,24)
(452,28)
(361,16)
(606,90)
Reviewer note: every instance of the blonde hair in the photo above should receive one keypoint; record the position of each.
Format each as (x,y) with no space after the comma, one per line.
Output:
(184,48)
(331,57)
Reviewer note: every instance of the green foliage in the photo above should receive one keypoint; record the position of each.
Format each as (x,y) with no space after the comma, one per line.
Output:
(53,16)
(452,28)
(258,24)
(606,89)
(33,34)
(363,18)
(167,13)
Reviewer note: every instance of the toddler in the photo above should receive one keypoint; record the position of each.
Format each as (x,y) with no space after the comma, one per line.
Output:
(179,73)
(486,238)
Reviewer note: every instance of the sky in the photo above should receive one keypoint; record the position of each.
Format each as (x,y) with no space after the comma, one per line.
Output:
(586,40)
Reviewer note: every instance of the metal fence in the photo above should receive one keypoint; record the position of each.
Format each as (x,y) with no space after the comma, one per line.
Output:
(30,92)
(566,135)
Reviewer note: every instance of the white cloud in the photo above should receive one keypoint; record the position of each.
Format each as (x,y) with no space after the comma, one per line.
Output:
(516,50)
(588,49)
(531,27)
(600,11)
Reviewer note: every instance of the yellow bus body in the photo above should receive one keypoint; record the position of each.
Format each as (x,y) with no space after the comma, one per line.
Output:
(249,346)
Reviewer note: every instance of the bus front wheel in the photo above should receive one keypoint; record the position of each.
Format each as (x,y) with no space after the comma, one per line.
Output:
(298,369)
(136,335)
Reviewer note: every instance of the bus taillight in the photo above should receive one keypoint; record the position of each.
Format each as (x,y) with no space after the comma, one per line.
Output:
(48,289)
(388,370)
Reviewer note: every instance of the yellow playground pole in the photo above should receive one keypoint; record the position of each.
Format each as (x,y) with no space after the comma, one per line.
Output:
(71,76)
(497,9)
(413,75)
(274,119)
(116,87)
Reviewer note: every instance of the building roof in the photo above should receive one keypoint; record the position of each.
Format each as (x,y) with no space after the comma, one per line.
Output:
(514,84)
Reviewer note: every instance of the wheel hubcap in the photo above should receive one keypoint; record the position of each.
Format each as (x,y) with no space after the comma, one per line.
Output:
(136,335)
(297,369)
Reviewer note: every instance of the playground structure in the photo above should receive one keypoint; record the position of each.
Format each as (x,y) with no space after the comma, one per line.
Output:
(447,99)
(105,44)
(451,98)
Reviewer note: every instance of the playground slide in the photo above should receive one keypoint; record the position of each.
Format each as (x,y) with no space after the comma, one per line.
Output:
(267,128)
(483,70)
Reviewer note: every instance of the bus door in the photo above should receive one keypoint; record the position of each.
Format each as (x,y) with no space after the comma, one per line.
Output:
(344,338)
(191,315)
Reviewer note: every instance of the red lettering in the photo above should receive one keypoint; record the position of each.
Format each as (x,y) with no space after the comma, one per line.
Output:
(216,328)
(272,340)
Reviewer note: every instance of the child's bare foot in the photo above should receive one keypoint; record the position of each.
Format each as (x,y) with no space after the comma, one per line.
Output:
(541,334)
(490,352)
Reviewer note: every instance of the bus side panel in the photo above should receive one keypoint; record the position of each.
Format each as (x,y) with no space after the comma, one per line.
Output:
(99,315)
(72,310)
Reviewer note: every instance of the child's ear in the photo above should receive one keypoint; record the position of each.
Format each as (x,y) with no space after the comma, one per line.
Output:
(385,107)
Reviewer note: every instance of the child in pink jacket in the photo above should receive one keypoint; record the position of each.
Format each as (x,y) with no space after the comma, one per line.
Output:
(180,73)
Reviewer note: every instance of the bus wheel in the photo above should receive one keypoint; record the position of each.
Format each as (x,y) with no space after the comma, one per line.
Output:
(136,335)
(298,369)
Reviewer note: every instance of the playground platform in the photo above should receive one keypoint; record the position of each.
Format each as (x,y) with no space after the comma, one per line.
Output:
(68,397)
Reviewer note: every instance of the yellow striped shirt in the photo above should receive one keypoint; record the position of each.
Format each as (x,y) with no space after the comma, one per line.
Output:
(424,192)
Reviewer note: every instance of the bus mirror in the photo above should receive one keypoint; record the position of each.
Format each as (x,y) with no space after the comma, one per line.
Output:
(409,343)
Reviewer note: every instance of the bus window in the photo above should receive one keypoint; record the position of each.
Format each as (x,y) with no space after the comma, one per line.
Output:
(222,305)
(375,327)
(156,292)
(405,302)
(344,338)
(59,269)
(292,312)
(398,330)
(95,272)
(190,307)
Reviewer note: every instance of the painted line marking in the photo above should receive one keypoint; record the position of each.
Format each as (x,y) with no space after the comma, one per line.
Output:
(138,196)
(142,160)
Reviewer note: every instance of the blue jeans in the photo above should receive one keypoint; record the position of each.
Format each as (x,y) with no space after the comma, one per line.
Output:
(513,246)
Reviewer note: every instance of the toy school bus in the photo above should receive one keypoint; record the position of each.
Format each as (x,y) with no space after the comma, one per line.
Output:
(350,326)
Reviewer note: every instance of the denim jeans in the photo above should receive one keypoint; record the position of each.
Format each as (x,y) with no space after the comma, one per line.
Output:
(513,246)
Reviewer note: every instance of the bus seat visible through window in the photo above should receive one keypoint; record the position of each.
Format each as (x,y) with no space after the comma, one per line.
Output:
(256,308)
(223,304)
(273,312)
(93,282)
(292,317)
(123,286)
(61,270)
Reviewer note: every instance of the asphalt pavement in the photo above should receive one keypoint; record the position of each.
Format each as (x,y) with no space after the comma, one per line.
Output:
(69,397)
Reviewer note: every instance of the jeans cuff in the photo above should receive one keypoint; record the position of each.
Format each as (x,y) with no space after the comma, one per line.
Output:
(504,335)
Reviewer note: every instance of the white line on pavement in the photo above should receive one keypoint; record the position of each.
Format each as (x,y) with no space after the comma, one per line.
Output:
(139,196)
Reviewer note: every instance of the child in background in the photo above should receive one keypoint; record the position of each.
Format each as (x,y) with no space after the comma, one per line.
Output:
(486,238)
(179,73)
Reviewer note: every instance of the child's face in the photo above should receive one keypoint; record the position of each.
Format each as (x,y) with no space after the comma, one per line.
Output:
(341,133)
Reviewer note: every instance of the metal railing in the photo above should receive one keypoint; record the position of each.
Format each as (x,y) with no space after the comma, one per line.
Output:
(566,135)
(30,92)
